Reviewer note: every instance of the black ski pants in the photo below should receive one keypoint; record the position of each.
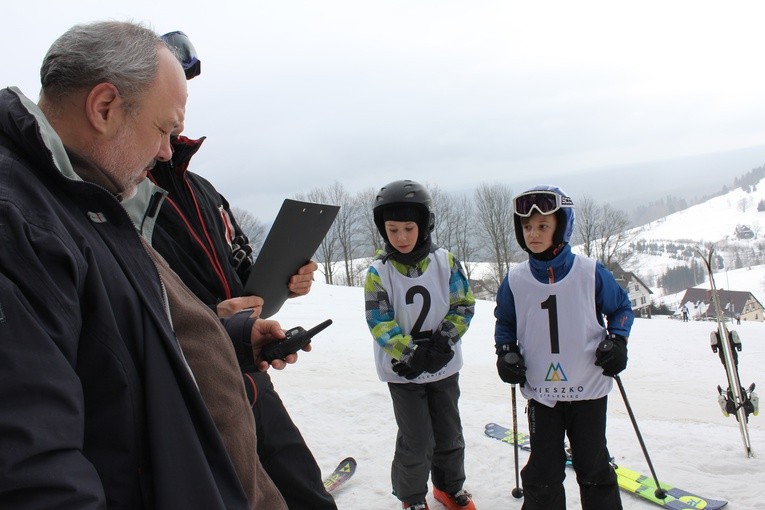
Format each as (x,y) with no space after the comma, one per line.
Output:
(429,439)
(584,422)
(284,453)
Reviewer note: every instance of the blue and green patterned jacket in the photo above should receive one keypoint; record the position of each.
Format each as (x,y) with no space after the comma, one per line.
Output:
(380,315)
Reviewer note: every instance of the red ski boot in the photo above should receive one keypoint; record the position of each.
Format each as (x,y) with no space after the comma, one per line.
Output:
(460,500)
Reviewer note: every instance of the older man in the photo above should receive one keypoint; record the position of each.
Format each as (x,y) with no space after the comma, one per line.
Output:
(99,407)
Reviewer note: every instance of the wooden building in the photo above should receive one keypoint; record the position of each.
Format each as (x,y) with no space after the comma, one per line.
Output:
(732,302)
(638,292)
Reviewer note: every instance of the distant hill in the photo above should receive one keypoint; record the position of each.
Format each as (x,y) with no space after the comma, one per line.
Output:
(649,190)
(734,222)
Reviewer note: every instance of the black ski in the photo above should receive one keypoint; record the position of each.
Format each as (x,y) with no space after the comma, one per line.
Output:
(736,399)
(342,473)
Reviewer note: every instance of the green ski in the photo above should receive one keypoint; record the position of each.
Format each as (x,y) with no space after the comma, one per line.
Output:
(629,480)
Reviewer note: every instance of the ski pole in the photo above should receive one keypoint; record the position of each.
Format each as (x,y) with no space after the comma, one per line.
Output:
(512,358)
(605,346)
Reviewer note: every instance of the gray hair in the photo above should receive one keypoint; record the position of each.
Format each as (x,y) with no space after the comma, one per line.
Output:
(121,53)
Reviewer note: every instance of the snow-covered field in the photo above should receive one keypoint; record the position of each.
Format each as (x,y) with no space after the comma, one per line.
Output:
(342,408)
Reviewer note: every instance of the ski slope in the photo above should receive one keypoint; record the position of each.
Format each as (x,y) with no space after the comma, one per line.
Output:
(342,409)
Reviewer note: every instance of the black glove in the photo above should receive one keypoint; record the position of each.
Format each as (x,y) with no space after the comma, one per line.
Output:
(611,355)
(430,356)
(510,365)
(437,353)
(241,255)
(407,369)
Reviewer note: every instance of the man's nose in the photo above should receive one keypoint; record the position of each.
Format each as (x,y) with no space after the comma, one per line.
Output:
(165,150)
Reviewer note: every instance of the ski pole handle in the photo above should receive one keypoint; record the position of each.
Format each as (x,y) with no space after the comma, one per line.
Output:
(606,345)
(511,358)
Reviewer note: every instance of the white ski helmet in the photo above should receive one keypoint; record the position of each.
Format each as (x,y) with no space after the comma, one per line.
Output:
(561,205)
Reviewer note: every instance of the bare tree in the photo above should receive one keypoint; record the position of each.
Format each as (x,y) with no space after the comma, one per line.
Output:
(614,240)
(253,228)
(371,241)
(464,247)
(444,234)
(347,225)
(454,225)
(587,224)
(494,209)
(603,232)
(344,231)
(327,251)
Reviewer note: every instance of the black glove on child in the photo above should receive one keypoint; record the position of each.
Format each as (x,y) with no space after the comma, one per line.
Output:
(404,369)
(611,355)
(429,356)
(438,353)
(510,365)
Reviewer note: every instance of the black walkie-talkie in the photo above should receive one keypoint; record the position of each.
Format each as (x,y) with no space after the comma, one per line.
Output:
(294,340)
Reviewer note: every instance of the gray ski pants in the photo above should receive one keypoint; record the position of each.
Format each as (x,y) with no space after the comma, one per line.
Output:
(429,440)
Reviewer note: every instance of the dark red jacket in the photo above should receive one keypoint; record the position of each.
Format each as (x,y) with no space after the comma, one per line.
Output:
(195,228)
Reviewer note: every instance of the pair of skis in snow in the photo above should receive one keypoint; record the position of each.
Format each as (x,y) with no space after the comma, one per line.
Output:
(629,480)
(736,400)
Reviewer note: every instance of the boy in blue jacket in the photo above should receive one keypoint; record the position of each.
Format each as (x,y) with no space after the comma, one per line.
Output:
(550,312)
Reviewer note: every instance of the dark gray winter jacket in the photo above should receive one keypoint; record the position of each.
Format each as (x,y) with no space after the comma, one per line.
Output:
(98,408)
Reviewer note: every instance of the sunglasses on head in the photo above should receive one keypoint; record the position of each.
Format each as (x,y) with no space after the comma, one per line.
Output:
(545,202)
(185,52)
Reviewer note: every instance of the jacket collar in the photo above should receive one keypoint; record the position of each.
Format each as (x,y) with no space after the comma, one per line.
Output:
(143,208)
(558,266)
(183,150)
(20,109)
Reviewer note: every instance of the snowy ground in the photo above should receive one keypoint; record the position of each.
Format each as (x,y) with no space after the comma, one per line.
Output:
(342,408)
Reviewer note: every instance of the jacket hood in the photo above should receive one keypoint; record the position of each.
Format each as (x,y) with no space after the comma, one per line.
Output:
(26,126)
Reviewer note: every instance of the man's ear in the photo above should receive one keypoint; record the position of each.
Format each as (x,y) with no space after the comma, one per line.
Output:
(103,108)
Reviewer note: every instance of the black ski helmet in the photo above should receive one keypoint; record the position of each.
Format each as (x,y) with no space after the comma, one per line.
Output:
(564,218)
(405,193)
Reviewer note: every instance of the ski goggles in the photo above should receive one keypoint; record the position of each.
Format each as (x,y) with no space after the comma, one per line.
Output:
(185,52)
(545,202)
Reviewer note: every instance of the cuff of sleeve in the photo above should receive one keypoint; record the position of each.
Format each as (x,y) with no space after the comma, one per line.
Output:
(505,348)
(239,328)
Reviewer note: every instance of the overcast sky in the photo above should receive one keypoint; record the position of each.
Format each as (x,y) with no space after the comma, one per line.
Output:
(297,94)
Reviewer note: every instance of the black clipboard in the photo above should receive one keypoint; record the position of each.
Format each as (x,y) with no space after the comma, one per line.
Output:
(294,238)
